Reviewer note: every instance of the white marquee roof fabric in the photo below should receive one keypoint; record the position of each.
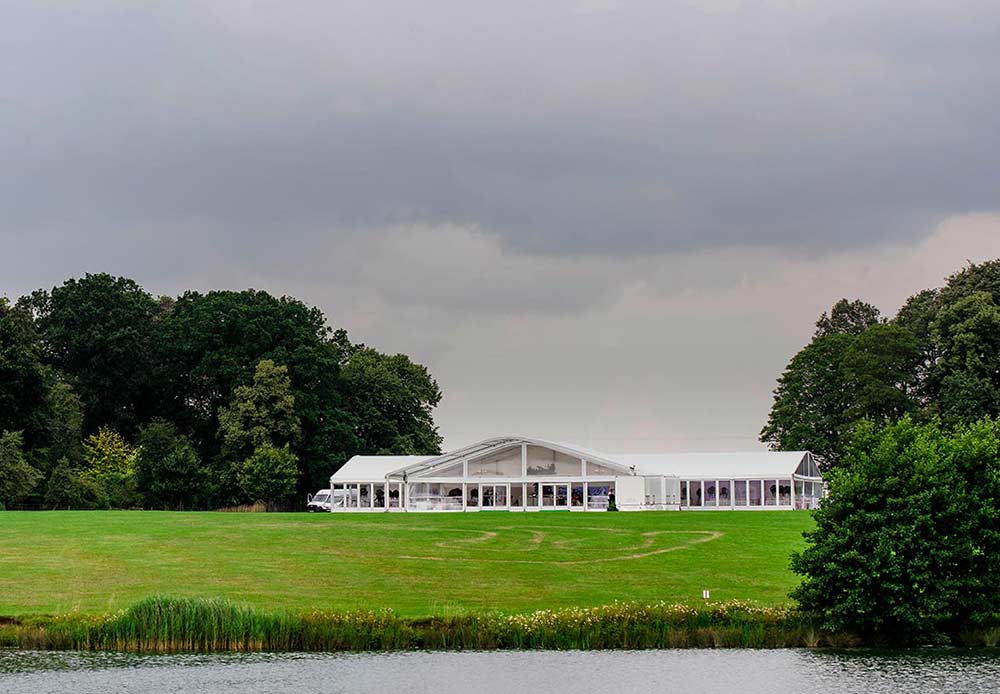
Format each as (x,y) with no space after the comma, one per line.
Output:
(374,468)
(749,464)
(760,464)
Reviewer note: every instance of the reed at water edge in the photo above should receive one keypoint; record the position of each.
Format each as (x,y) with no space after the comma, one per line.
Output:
(168,624)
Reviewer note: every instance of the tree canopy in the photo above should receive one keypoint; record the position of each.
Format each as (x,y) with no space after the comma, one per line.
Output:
(938,357)
(22,377)
(847,318)
(99,332)
(261,413)
(811,401)
(380,385)
(169,473)
(268,475)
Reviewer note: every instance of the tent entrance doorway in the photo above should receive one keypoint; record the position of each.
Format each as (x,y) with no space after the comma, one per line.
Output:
(555,496)
(496,496)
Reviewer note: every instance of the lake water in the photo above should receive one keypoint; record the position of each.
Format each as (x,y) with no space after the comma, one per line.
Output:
(631,672)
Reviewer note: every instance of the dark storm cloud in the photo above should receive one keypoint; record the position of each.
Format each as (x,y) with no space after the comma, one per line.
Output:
(615,128)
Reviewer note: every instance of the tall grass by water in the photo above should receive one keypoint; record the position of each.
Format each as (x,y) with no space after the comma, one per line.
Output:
(166,624)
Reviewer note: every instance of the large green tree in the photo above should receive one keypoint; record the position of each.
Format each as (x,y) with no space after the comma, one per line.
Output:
(66,489)
(812,401)
(60,423)
(22,376)
(109,461)
(950,324)
(260,413)
(859,366)
(966,375)
(258,416)
(98,332)
(907,545)
(168,471)
(880,372)
(391,400)
(210,345)
(269,474)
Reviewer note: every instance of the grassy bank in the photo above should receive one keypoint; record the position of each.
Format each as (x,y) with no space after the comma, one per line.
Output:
(162,624)
(196,625)
(418,565)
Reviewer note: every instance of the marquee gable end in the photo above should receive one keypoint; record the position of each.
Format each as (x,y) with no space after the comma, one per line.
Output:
(501,456)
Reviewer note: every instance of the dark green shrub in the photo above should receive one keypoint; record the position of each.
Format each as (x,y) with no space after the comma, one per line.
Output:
(269,475)
(68,490)
(907,545)
(168,472)
(17,477)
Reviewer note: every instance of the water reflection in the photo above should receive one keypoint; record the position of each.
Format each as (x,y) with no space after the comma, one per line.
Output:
(745,672)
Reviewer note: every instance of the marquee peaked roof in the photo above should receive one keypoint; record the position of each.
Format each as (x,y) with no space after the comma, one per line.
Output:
(499,443)
(747,464)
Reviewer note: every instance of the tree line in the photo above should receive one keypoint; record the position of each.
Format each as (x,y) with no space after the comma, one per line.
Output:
(111,397)
(904,414)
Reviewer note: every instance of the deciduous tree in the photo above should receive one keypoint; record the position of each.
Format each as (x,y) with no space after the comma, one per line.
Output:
(847,318)
(109,462)
(391,400)
(168,471)
(269,475)
(22,379)
(263,412)
(812,401)
(17,477)
(107,452)
(210,345)
(966,376)
(60,423)
(98,332)
(880,373)
(67,489)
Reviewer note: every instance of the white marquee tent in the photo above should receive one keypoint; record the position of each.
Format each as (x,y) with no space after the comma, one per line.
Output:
(512,473)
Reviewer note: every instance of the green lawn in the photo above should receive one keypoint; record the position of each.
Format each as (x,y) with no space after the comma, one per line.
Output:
(417,564)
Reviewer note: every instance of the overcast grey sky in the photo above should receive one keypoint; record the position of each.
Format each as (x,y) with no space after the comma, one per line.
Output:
(611,222)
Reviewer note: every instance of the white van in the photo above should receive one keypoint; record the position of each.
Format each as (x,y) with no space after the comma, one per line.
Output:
(320,501)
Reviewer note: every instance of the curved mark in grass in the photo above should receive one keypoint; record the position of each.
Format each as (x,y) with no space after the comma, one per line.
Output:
(640,551)
(484,535)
